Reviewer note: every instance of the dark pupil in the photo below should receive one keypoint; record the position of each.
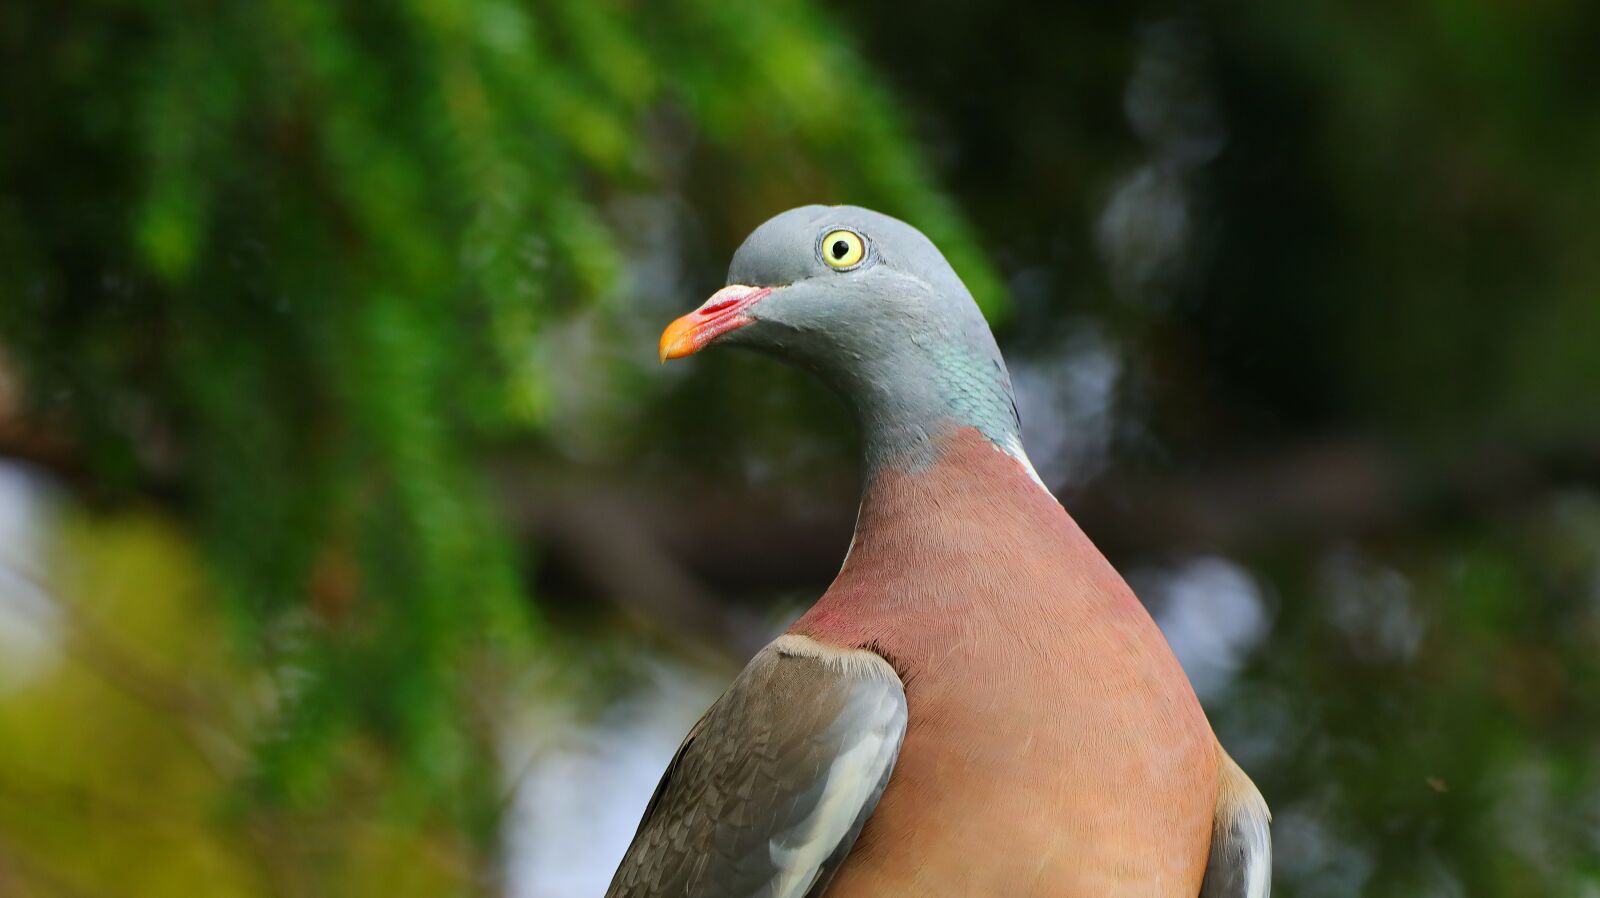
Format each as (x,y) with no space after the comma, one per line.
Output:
(840,248)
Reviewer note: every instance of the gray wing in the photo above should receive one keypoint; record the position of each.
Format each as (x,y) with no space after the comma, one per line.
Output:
(1240,865)
(770,789)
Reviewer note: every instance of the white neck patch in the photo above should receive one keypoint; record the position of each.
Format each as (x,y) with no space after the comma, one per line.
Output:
(1012,446)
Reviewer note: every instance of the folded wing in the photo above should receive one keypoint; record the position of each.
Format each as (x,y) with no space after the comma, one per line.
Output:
(1240,865)
(770,789)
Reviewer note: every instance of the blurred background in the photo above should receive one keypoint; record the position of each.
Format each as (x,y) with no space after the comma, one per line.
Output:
(352,541)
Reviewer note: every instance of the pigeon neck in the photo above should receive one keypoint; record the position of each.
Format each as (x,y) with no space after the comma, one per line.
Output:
(907,407)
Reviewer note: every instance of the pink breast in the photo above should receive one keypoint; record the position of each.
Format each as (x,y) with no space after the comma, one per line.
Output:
(1055,746)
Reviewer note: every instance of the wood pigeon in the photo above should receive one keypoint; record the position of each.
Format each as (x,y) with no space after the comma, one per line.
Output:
(978,705)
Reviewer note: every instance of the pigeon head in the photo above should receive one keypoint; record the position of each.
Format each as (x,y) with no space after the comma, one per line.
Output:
(871,307)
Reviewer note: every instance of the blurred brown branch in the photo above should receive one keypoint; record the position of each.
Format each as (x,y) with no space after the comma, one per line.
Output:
(673,554)
(666,553)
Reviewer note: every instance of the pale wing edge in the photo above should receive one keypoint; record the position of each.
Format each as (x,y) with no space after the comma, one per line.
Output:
(1240,864)
(833,771)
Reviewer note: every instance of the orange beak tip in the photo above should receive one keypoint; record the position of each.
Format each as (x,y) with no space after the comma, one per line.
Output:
(722,313)
(678,340)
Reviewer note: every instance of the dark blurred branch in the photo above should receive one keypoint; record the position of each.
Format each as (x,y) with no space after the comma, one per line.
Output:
(1335,489)
(672,553)
(666,552)
(26,438)
(616,541)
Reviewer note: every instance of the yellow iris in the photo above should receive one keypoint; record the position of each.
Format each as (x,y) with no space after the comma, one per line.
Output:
(843,249)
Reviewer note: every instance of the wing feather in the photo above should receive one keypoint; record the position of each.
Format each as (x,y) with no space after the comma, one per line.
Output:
(772,786)
(1240,865)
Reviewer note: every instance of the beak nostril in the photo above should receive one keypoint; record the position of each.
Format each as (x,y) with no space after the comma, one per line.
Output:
(713,309)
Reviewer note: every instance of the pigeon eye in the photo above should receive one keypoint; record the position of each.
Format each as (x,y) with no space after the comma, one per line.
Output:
(842,249)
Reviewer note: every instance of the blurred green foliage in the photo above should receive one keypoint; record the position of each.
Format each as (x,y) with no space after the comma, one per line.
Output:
(287,263)
(298,298)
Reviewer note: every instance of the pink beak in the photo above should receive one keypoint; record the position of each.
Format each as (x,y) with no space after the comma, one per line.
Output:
(723,312)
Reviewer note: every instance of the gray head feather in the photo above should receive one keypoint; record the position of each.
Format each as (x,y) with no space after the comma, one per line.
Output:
(897,335)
